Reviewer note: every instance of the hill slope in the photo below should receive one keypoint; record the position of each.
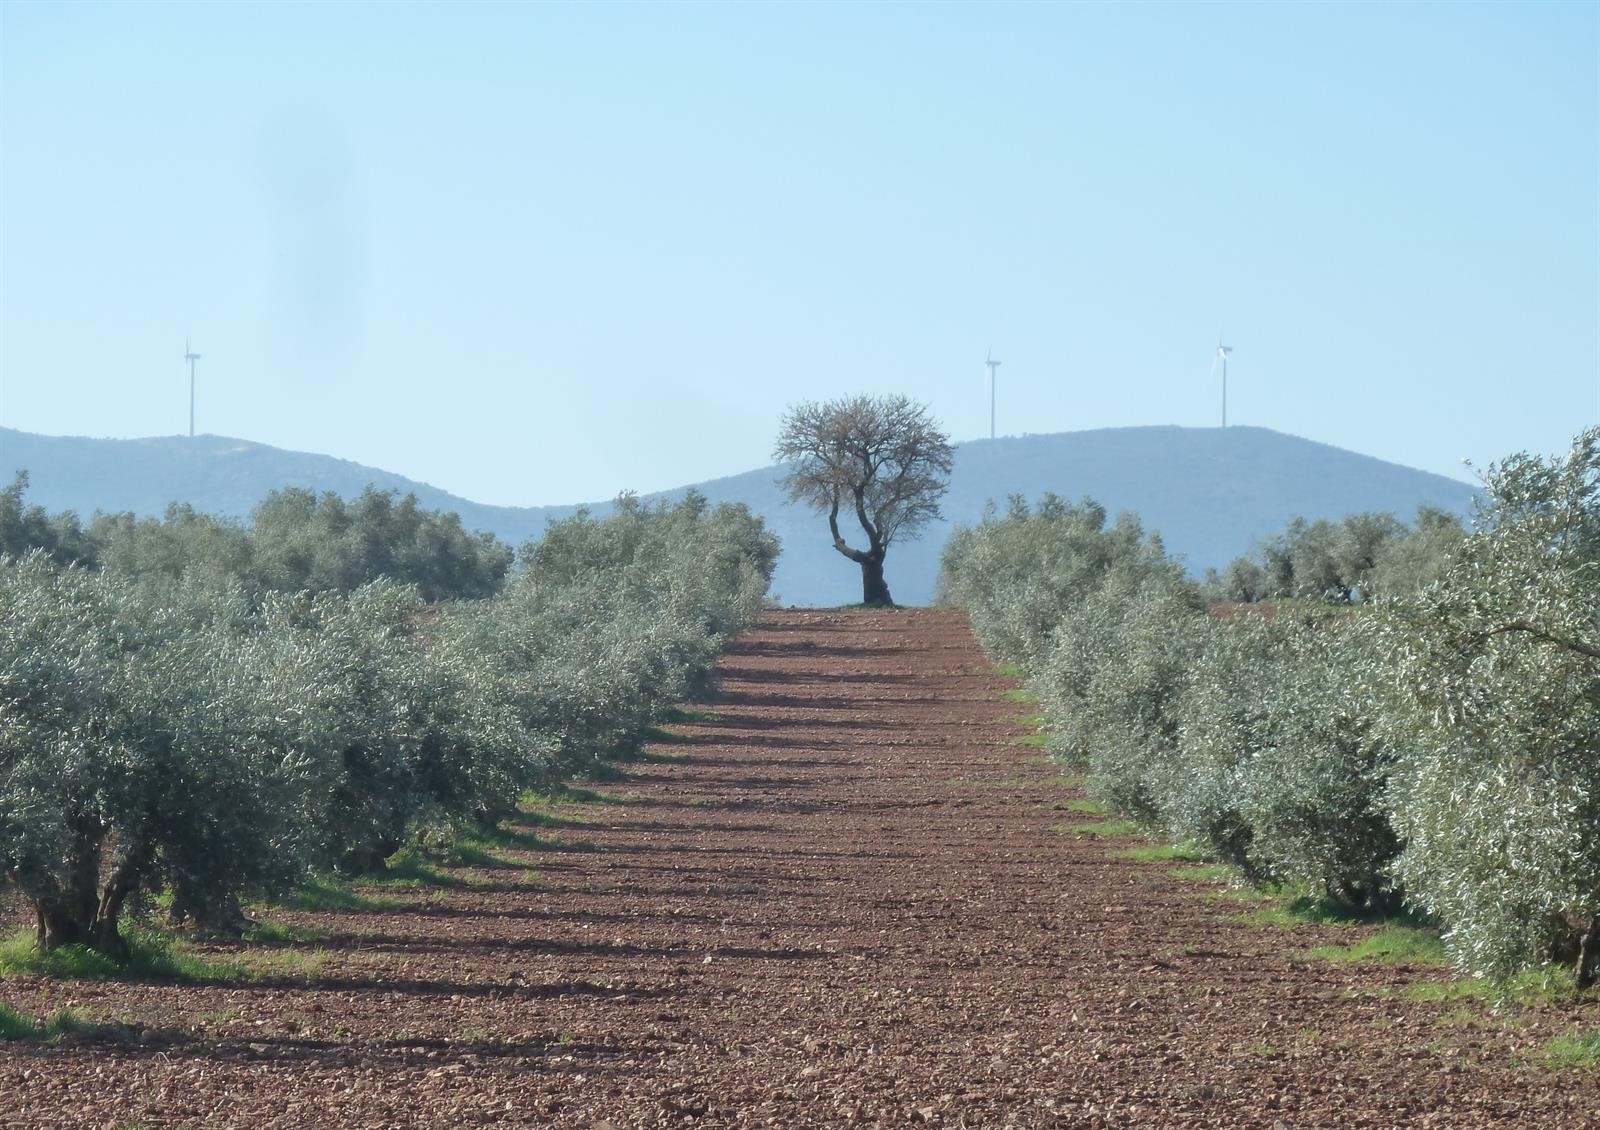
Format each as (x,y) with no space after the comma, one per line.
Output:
(1213,493)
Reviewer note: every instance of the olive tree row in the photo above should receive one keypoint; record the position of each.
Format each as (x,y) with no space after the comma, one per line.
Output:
(219,740)
(1363,558)
(297,540)
(1434,737)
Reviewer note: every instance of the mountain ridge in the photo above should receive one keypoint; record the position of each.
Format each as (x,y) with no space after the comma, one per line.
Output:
(1212,493)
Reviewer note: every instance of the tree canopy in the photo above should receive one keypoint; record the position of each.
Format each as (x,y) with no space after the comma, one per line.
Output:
(883,459)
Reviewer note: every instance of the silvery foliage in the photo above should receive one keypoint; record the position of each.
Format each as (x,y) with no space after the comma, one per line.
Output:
(1408,564)
(299,541)
(1495,711)
(1097,618)
(1119,662)
(1221,719)
(1362,558)
(1249,737)
(1315,801)
(141,740)
(1017,575)
(420,728)
(612,621)
(173,725)
(24,527)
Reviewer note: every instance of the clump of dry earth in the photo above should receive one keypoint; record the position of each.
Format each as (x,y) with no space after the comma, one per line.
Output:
(849,896)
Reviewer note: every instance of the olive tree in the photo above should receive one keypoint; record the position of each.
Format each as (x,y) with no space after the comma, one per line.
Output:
(1495,714)
(882,459)
(142,741)
(1314,789)
(24,527)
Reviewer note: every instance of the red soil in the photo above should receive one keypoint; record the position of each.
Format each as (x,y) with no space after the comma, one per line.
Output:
(849,897)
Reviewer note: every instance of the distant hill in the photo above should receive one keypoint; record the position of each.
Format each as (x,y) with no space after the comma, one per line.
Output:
(1212,493)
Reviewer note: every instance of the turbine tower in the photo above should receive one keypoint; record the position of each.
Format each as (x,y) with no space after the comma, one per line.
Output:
(992,365)
(190,356)
(1222,356)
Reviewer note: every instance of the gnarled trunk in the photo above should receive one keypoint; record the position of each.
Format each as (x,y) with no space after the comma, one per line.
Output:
(874,589)
(65,913)
(79,912)
(1588,965)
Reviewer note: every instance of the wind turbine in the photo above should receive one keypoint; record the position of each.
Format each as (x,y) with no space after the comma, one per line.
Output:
(992,365)
(190,356)
(1222,356)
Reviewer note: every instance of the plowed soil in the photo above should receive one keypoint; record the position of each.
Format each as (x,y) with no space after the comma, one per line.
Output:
(849,895)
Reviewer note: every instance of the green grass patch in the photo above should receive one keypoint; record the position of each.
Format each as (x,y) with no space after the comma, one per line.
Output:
(1033,721)
(565,795)
(512,836)
(1008,670)
(1408,945)
(1237,894)
(530,814)
(283,933)
(656,735)
(1104,829)
(67,1023)
(408,870)
(1201,873)
(1544,985)
(1270,913)
(153,956)
(326,893)
(1033,741)
(1578,1050)
(292,964)
(1082,804)
(687,714)
(52,1029)
(1020,694)
(15,1026)
(1159,853)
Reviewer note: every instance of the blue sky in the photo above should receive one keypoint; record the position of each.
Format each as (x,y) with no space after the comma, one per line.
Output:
(544,253)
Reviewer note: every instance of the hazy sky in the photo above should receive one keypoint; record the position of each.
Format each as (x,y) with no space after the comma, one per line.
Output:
(543,253)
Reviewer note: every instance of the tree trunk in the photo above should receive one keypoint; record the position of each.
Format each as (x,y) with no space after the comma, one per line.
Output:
(1588,967)
(874,590)
(59,926)
(370,858)
(81,914)
(65,914)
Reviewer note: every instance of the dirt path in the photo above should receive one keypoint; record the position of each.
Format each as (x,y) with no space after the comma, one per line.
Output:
(846,897)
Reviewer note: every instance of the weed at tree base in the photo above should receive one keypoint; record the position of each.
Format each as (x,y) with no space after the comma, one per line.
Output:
(1579,1051)
(1101,829)
(688,714)
(1201,873)
(327,893)
(153,956)
(283,933)
(15,1026)
(68,1024)
(1160,853)
(1410,945)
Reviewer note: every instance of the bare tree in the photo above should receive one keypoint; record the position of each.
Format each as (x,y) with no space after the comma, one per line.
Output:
(883,458)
